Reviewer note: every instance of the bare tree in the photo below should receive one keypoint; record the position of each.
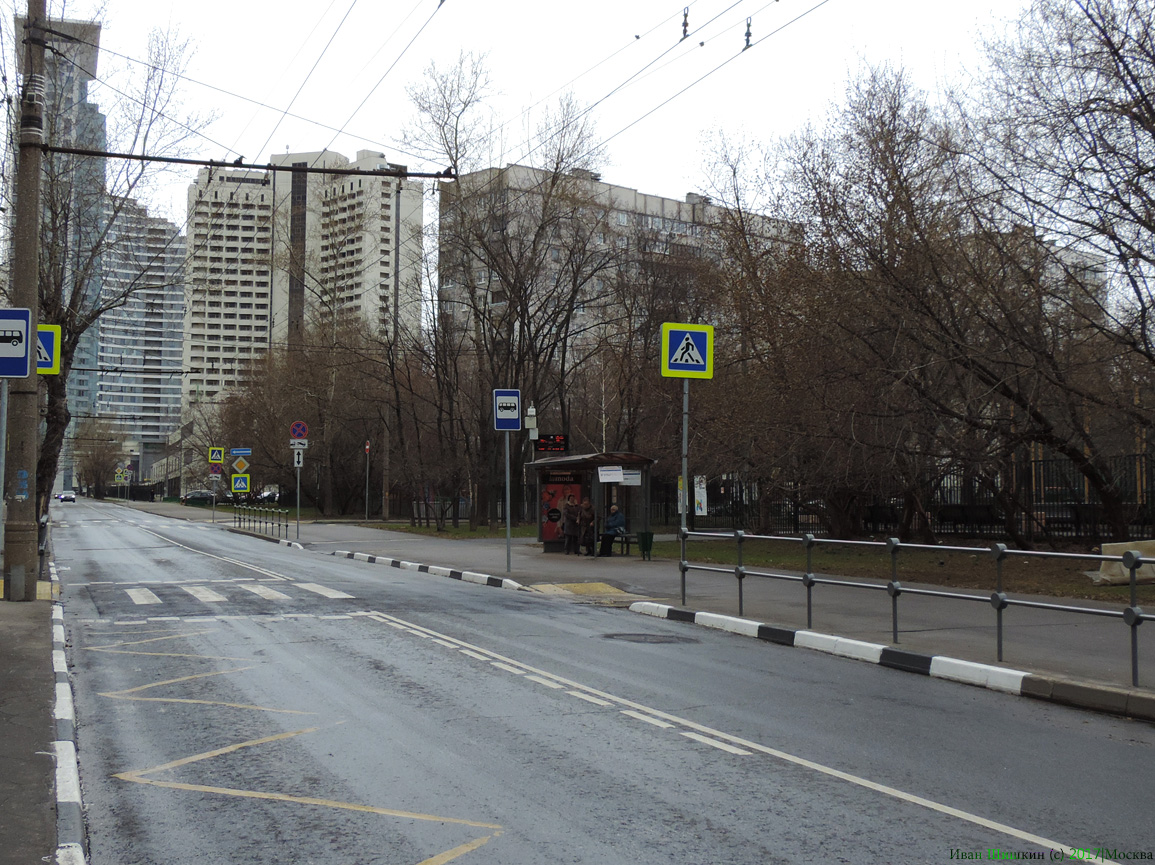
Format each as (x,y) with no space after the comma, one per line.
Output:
(85,197)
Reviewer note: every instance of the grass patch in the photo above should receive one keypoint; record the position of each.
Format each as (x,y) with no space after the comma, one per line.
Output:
(1021,575)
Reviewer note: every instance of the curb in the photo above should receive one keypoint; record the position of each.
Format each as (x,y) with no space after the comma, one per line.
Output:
(452,573)
(69,808)
(1083,695)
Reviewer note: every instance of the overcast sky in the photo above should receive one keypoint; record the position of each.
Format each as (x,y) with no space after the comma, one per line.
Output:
(352,59)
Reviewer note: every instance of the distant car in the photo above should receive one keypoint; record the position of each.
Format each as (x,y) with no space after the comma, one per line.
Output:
(68,496)
(197,497)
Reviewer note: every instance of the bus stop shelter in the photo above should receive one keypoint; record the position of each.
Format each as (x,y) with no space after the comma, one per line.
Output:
(619,478)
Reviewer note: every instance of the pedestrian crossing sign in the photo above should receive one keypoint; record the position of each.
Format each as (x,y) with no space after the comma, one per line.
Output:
(240,483)
(687,350)
(216,455)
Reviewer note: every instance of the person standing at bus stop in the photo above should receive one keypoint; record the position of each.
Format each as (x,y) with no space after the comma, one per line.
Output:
(570,514)
(586,526)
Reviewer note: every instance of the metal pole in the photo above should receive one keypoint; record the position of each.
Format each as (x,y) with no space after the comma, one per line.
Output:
(366,481)
(21,553)
(508,530)
(685,477)
(298,503)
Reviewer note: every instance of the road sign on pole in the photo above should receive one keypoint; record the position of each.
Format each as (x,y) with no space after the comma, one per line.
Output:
(687,350)
(298,429)
(298,459)
(240,483)
(15,352)
(507,410)
(48,349)
(216,455)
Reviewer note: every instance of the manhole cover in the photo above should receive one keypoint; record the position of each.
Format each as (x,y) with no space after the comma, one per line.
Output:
(650,638)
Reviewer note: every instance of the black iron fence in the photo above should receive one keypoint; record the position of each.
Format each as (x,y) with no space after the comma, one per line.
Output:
(266,521)
(1037,499)
(1132,616)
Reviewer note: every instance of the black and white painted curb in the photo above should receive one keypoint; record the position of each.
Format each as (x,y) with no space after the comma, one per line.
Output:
(435,570)
(69,810)
(1102,698)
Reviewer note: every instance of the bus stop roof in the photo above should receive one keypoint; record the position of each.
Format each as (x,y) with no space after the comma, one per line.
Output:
(589,461)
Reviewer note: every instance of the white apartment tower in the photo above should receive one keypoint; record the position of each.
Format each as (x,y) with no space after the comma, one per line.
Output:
(271,252)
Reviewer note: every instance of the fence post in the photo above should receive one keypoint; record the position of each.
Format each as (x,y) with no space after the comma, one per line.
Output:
(1133,615)
(683,565)
(808,579)
(894,587)
(999,598)
(739,571)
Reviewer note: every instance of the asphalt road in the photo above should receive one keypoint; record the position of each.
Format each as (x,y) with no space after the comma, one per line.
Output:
(243,702)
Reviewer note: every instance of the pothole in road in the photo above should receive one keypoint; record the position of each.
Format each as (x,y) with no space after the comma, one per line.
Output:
(650,638)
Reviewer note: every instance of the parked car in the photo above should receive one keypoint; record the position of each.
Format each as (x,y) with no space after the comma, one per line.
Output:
(67,496)
(197,497)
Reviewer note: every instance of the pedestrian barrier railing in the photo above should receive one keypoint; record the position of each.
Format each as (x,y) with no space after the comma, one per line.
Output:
(266,521)
(1132,616)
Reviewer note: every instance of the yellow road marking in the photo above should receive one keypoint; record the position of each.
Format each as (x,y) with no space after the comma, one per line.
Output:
(113,648)
(127,694)
(139,777)
(450,855)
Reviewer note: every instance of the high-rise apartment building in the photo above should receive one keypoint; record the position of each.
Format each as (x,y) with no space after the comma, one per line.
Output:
(272,252)
(140,341)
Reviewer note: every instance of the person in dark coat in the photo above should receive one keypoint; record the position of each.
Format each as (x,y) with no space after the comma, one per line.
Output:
(570,513)
(615,525)
(586,526)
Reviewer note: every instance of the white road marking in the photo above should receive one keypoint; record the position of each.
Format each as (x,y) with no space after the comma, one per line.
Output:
(142,596)
(706,740)
(204,593)
(711,736)
(596,701)
(549,683)
(655,721)
(322,590)
(264,592)
(508,668)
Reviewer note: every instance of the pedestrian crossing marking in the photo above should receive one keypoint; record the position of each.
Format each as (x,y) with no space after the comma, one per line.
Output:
(142,596)
(264,592)
(203,593)
(322,590)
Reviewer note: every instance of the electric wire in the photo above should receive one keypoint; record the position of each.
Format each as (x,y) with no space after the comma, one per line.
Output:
(313,69)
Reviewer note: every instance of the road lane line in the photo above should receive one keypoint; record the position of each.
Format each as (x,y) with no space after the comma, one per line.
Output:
(549,683)
(708,732)
(509,668)
(142,596)
(595,700)
(706,740)
(649,720)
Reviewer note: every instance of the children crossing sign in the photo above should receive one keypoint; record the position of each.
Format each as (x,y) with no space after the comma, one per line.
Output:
(687,350)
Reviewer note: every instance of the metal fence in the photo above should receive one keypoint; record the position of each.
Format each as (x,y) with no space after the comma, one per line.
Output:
(1040,499)
(1132,616)
(266,521)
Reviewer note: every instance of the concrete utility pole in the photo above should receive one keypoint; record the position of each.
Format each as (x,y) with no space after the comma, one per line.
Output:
(21,559)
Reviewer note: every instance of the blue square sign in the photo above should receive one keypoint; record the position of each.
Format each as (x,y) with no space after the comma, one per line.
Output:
(15,346)
(507,410)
